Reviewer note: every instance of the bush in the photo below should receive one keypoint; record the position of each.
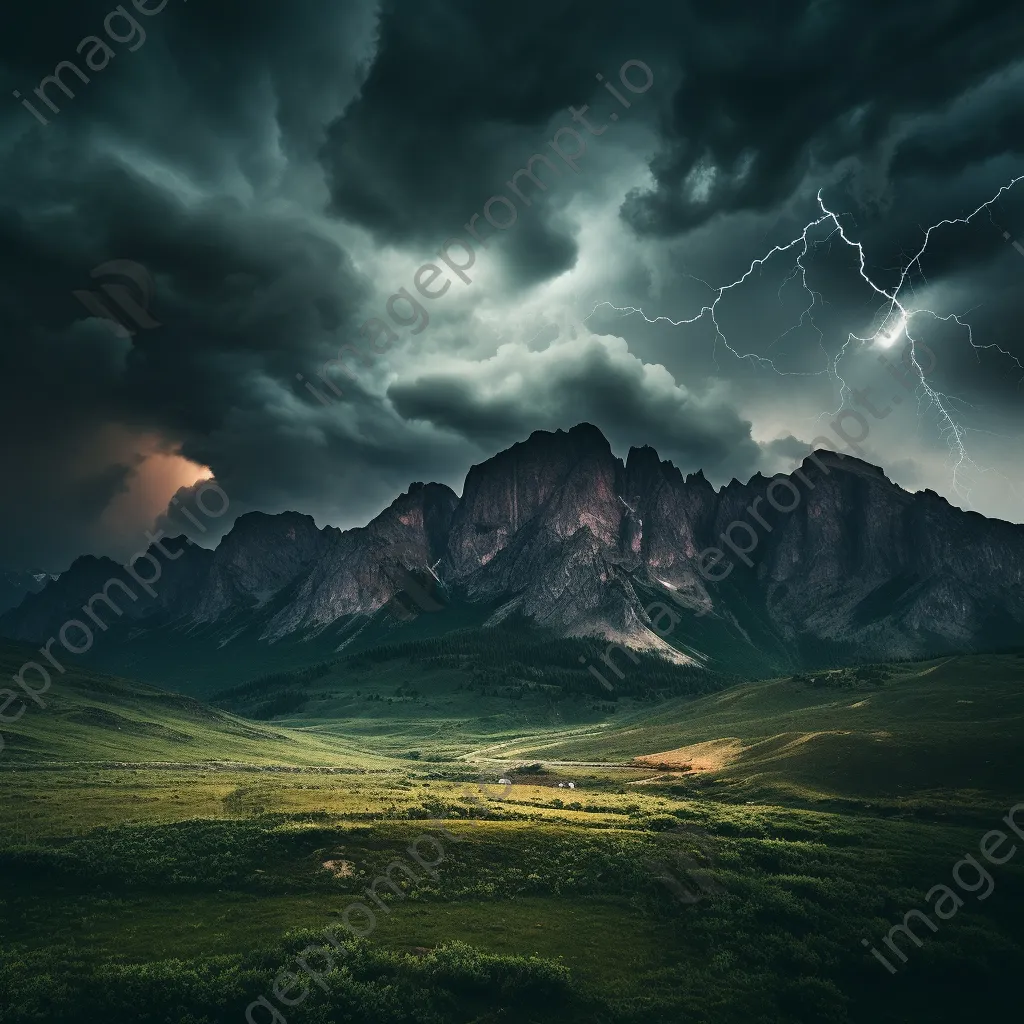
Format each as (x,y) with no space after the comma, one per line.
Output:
(661,823)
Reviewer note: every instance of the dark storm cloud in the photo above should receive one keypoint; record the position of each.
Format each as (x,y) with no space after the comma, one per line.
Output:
(91,496)
(158,159)
(239,296)
(209,79)
(768,95)
(248,149)
(461,95)
(594,379)
(975,133)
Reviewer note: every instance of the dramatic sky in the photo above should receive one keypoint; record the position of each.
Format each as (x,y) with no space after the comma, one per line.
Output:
(275,172)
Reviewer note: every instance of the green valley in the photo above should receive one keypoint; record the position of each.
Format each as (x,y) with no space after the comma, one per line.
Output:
(720,857)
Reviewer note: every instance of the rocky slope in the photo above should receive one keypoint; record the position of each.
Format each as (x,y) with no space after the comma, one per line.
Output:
(259,557)
(361,570)
(832,561)
(119,597)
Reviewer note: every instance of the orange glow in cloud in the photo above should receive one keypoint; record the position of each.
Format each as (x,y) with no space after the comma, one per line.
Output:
(154,482)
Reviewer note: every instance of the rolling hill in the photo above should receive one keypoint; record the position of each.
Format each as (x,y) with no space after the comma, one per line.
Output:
(92,717)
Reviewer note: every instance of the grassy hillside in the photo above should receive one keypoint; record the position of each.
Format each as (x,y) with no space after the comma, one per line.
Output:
(163,860)
(945,725)
(92,717)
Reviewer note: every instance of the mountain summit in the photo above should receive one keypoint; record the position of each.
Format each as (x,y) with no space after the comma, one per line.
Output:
(833,560)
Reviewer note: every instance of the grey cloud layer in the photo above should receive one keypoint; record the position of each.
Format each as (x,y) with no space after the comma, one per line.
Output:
(270,163)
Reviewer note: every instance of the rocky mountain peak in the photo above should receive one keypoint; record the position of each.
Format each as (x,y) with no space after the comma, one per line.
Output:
(259,556)
(833,557)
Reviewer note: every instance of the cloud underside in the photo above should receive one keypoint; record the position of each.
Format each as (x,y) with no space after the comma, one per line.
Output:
(280,171)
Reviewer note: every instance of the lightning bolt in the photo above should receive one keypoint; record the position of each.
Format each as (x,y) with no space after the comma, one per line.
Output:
(899,320)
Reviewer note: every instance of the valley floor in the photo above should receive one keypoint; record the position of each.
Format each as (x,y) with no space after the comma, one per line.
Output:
(720,859)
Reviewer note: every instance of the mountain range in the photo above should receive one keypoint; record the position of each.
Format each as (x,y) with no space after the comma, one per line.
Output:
(835,564)
(14,585)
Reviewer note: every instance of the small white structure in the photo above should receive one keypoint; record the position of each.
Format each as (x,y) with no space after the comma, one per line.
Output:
(561,785)
(571,785)
(504,782)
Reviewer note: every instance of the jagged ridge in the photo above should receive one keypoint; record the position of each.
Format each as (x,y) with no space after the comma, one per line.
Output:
(559,531)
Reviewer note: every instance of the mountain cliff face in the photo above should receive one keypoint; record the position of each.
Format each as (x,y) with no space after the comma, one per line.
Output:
(833,559)
(359,570)
(539,527)
(863,561)
(259,557)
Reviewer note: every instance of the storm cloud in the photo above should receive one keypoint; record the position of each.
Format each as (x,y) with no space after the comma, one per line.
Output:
(281,171)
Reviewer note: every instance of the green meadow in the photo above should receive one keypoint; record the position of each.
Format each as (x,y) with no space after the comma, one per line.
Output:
(725,849)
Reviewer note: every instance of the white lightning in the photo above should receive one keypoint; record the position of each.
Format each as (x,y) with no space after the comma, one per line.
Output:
(898,320)
(890,339)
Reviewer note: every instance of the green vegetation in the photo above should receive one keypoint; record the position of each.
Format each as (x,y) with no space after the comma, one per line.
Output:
(163,861)
(91,717)
(945,733)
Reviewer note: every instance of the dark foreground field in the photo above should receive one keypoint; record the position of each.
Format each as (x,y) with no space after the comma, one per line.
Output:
(172,873)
